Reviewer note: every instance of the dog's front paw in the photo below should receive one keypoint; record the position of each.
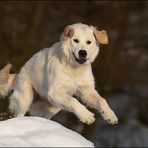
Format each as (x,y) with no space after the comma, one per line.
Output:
(86,116)
(109,116)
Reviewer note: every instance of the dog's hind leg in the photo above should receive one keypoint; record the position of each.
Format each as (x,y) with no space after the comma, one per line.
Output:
(43,108)
(22,96)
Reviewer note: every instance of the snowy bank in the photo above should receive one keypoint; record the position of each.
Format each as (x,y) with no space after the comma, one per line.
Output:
(35,131)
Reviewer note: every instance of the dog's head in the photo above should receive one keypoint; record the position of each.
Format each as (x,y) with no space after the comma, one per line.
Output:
(80,43)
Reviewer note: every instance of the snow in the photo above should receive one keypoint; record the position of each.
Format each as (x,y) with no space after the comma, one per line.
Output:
(40,132)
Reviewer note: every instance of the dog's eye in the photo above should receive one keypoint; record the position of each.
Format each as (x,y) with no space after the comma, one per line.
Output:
(88,42)
(76,40)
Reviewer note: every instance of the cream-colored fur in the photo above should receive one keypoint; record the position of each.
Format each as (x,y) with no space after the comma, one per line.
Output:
(6,80)
(57,73)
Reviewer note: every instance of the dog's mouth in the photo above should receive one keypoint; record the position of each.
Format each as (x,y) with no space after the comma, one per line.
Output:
(79,60)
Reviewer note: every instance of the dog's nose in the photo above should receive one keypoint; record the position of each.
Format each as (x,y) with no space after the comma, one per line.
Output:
(82,54)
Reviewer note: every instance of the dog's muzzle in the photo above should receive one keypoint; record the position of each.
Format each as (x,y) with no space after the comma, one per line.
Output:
(81,60)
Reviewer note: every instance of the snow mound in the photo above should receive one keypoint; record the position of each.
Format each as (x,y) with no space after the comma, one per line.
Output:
(35,131)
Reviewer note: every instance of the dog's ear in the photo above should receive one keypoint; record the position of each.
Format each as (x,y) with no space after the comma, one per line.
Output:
(68,33)
(101,36)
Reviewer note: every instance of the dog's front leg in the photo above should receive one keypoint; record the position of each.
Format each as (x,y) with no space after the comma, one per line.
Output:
(94,100)
(71,104)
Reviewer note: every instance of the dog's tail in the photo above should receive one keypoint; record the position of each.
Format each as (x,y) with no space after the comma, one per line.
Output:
(6,80)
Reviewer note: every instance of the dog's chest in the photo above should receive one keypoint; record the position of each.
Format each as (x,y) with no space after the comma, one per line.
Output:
(72,79)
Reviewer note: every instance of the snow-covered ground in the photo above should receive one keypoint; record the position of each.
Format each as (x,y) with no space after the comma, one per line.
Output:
(35,131)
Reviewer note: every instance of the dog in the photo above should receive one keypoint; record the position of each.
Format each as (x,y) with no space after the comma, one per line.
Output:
(57,74)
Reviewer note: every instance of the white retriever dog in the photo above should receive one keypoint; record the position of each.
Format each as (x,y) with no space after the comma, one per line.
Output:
(57,74)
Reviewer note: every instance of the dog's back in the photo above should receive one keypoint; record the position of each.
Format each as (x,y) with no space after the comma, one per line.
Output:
(36,69)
